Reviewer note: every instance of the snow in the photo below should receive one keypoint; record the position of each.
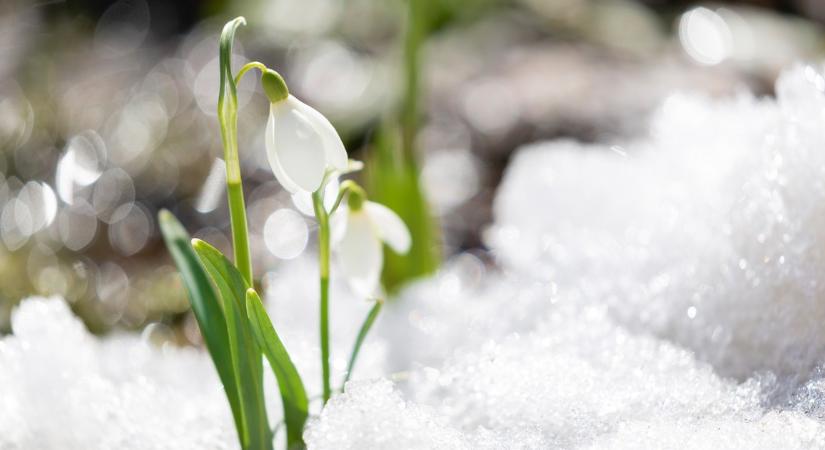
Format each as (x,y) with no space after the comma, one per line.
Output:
(62,388)
(659,293)
(707,234)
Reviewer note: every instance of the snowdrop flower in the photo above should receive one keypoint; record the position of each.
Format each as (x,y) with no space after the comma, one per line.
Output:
(358,232)
(301,144)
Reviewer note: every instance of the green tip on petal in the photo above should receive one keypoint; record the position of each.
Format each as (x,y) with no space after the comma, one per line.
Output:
(274,86)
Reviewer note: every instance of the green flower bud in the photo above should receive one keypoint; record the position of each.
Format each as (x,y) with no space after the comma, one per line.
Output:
(274,86)
(356,198)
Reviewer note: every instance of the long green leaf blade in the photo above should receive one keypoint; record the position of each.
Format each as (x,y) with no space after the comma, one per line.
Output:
(362,334)
(293,394)
(207,309)
(246,355)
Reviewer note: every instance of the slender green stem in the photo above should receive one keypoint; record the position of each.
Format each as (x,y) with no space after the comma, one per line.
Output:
(248,66)
(348,186)
(234,189)
(362,334)
(342,192)
(240,237)
(228,119)
(323,256)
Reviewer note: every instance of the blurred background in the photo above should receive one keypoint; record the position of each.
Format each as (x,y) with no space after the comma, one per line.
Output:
(107,114)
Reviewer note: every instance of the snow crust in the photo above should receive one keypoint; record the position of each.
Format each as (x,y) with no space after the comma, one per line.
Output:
(708,234)
(664,293)
(62,388)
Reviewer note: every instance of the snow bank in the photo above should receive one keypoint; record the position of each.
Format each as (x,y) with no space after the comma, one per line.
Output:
(662,294)
(62,388)
(711,233)
(570,377)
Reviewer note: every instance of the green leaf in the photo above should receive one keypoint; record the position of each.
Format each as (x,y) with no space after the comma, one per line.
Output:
(246,355)
(362,334)
(293,394)
(228,103)
(393,179)
(206,307)
(225,52)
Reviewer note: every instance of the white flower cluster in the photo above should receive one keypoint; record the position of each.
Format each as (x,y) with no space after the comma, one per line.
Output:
(303,149)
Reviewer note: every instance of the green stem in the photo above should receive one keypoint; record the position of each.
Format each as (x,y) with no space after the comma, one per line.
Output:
(323,256)
(362,334)
(250,65)
(240,236)
(342,192)
(228,119)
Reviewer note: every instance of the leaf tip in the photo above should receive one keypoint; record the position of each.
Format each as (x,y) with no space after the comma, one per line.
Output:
(165,217)
(170,227)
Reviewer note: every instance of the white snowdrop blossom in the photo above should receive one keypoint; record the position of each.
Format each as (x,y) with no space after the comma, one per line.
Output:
(357,235)
(302,145)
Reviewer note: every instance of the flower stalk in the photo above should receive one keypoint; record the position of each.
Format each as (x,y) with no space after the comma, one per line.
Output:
(323,265)
(228,119)
(362,335)
(246,68)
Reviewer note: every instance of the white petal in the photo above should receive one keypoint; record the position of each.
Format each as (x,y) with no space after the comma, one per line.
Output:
(390,228)
(272,155)
(331,193)
(338,225)
(303,200)
(334,151)
(359,255)
(298,147)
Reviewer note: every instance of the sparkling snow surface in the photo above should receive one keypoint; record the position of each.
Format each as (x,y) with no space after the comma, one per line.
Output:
(665,293)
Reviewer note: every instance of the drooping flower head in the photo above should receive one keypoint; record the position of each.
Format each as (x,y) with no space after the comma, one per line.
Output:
(358,232)
(301,144)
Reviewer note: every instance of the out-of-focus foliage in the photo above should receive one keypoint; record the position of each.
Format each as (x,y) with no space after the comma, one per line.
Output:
(394,180)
